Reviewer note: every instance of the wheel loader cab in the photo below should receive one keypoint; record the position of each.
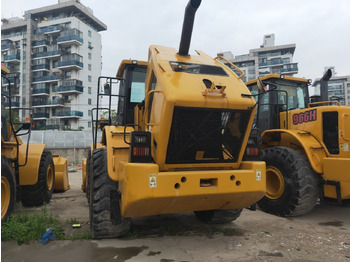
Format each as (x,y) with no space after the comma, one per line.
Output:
(283,94)
(131,89)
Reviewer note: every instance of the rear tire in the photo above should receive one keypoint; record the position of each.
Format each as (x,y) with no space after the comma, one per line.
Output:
(292,187)
(220,216)
(100,202)
(41,192)
(8,188)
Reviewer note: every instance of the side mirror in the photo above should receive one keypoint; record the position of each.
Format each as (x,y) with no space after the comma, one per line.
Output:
(261,86)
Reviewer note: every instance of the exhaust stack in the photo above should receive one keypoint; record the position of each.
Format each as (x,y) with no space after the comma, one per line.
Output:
(324,85)
(187,26)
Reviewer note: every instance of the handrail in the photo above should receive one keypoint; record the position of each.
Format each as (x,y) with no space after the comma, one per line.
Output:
(147,105)
(236,67)
(323,102)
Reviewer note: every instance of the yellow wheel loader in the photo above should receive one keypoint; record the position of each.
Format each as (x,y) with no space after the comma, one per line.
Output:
(173,137)
(305,145)
(29,172)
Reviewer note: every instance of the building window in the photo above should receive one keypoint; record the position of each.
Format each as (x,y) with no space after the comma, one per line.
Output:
(89,55)
(68,50)
(89,89)
(89,67)
(67,74)
(89,101)
(89,78)
(89,112)
(89,124)
(89,33)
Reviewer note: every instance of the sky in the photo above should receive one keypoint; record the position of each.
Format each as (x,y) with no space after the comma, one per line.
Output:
(319,28)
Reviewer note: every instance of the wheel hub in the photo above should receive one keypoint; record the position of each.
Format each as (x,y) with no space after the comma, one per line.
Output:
(5,195)
(274,183)
(49,177)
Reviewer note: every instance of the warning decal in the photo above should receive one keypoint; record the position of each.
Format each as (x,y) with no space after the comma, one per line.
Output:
(258,175)
(152,180)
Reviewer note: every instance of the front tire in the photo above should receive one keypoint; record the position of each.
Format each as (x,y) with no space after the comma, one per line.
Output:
(219,216)
(292,187)
(8,188)
(41,192)
(100,200)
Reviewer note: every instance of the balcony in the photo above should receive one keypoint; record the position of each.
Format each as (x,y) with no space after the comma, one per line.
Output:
(70,40)
(70,87)
(48,30)
(69,114)
(71,64)
(41,92)
(15,58)
(11,81)
(42,67)
(39,126)
(272,63)
(70,37)
(6,47)
(40,43)
(292,70)
(47,78)
(13,104)
(45,102)
(47,54)
(38,116)
(70,61)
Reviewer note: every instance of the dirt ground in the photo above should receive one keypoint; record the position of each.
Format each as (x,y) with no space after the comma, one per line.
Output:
(321,235)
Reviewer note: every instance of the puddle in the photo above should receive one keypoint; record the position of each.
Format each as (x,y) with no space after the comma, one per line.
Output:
(118,254)
(153,253)
(332,223)
(269,254)
(69,251)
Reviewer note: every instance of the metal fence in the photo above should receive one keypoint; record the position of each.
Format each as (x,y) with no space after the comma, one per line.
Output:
(62,139)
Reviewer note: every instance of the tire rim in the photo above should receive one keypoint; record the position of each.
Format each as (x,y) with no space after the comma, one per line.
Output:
(274,183)
(49,177)
(5,196)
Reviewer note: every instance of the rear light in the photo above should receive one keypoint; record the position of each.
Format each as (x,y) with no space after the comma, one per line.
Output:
(140,151)
(252,151)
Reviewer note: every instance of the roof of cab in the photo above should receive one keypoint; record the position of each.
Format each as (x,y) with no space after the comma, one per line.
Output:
(126,62)
(270,76)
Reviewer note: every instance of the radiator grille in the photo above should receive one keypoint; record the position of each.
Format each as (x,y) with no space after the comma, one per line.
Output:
(202,135)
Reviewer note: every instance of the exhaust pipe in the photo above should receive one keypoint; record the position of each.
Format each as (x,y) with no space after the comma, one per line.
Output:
(187,26)
(324,85)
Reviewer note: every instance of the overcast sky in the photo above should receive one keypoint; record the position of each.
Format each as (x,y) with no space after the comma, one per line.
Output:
(319,28)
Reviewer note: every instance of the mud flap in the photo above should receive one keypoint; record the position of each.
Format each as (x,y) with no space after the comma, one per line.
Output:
(116,217)
(337,189)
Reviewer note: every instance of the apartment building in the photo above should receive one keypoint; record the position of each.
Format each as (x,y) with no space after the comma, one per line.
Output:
(268,59)
(56,53)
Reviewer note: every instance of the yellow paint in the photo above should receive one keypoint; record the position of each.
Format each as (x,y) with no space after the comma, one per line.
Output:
(61,173)
(182,191)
